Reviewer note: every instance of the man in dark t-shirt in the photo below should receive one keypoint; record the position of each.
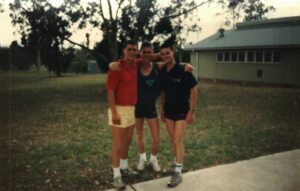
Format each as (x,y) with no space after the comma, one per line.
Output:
(178,105)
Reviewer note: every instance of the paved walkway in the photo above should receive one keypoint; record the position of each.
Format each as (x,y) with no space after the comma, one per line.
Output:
(277,172)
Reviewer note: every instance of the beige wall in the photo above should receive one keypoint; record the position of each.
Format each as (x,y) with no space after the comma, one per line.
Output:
(293,66)
(287,72)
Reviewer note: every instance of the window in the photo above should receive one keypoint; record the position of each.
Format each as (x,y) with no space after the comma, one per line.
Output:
(233,56)
(242,56)
(227,57)
(268,56)
(250,57)
(276,56)
(259,56)
(220,56)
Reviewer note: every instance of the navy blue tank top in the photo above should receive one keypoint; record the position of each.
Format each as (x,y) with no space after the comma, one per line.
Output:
(148,86)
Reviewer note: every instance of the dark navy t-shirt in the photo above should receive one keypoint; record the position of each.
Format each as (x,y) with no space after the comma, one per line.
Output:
(176,85)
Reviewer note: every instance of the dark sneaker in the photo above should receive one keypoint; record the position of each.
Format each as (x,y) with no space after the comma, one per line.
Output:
(172,168)
(118,183)
(128,172)
(176,179)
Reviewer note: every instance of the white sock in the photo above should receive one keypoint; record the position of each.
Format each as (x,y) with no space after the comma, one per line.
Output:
(123,163)
(178,167)
(143,156)
(117,172)
(153,157)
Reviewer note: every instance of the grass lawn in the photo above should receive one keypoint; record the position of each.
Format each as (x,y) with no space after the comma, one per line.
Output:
(54,132)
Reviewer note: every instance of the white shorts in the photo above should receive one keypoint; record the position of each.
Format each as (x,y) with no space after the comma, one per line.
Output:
(126,114)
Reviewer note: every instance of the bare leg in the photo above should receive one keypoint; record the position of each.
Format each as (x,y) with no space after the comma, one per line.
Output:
(126,141)
(171,129)
(178,140)
(140,135)
(117,145)
(154,127)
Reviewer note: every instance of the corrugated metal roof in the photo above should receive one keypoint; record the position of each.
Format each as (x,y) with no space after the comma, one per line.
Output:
(268,33)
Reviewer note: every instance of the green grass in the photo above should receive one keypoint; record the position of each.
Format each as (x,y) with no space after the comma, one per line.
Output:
(56,137)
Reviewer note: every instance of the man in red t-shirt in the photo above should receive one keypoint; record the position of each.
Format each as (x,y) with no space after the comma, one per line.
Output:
(122,96)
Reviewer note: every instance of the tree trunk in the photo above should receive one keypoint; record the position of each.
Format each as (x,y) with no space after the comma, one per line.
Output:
(113,46)
(38,59)
(10,66)
(104,57)
(57,59)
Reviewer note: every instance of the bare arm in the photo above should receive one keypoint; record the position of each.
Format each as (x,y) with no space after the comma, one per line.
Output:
(155,57)
(112,106)
(193,99)
(188,67)
(115,66)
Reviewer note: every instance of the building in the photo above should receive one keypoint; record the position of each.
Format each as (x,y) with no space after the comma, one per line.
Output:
(266,51)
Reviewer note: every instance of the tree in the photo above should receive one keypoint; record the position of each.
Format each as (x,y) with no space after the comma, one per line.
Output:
(142,20)
(256,10)
(4,57)
(42,27)
(67,56)
(247,9)
(1,8)
(102,47)
(80,62)
(19,57)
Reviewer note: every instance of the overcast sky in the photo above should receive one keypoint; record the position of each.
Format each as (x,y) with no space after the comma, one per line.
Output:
(209,23)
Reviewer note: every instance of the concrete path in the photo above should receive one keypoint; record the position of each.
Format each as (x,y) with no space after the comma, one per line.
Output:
(277,172)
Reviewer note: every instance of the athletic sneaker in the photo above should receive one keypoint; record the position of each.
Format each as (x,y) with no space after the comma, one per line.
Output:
(118,183)
(176,179)
(128,172)
(141,165)
(172,168)
(156,167)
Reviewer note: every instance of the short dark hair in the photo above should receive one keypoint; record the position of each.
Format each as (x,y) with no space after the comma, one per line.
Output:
(146,44)
(131,42)
(167,45)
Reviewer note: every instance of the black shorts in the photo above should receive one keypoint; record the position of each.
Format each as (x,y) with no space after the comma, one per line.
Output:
(175,112)
(145,110)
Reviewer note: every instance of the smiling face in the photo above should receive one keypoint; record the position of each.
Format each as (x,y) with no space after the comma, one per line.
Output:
(130,51)
(167,55)
(146,53)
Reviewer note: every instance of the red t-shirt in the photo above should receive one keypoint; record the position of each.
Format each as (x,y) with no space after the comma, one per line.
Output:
(124,84)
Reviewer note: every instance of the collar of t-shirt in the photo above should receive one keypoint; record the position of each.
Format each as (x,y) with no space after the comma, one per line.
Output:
(174,68)
(125,65)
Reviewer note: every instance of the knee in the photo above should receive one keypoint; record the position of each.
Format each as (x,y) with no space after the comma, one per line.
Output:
(156,141)
(140,138)
(117,147)
(178,140)
(127,141)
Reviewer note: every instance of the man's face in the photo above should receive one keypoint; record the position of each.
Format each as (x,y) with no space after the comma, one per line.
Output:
(146,53)
(167,55)
(130,51)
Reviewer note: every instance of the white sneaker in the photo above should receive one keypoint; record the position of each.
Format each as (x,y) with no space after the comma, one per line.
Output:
(156,167)
(118,183)
(141,165)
